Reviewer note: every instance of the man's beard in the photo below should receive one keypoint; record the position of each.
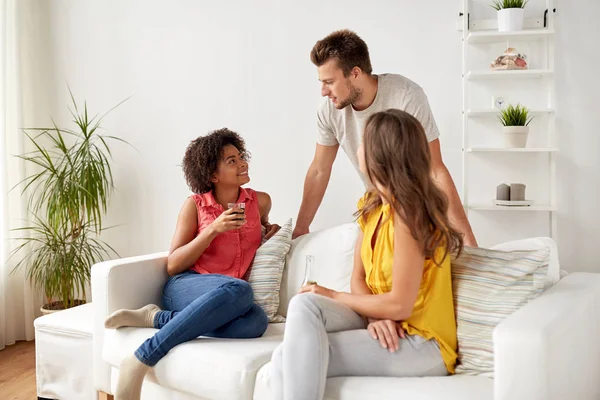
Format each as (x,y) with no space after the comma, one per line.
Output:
(354,95)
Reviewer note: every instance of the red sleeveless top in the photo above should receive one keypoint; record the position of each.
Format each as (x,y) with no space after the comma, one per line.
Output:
(230,253)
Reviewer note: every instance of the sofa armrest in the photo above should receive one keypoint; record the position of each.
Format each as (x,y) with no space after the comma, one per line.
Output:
(549,349)
(124,283)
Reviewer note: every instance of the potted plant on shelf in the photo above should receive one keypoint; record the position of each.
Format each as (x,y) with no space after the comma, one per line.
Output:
(68,192)
(515,120)
(511,14)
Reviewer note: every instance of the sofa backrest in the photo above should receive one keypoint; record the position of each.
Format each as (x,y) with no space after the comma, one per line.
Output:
(333,250)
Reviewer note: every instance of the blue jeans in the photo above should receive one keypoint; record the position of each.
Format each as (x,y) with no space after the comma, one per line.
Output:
(202,305)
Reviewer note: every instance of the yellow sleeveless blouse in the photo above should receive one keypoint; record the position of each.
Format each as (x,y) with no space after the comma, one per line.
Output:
(433,313)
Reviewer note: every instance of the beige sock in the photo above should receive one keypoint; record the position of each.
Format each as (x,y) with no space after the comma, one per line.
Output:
(141,318)
(131,377)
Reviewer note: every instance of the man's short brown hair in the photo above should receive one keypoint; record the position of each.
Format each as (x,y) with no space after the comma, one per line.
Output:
(346,47)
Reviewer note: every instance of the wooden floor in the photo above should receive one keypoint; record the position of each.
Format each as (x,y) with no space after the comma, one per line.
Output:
(17,372)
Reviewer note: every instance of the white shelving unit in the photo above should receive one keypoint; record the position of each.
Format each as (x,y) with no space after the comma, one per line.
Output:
(506,150)
(515,74)
(493,207)
(498,37)
(494,113)
(476,34)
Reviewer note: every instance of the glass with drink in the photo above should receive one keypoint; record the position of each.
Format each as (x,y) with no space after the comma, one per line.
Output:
(239,209)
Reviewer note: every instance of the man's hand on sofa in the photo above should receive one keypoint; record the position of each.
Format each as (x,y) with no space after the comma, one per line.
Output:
(387,332)
(320,290)
(299,231)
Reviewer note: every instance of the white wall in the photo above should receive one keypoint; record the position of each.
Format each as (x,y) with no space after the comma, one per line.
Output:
(578,113)
(193,66)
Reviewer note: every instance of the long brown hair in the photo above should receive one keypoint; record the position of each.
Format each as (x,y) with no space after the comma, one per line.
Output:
(397,157)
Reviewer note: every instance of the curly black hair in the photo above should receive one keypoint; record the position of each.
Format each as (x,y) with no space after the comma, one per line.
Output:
(203,155)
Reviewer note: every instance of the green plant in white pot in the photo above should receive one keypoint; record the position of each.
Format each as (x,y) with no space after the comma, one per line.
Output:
(68,186)
(515,120)
(511,14)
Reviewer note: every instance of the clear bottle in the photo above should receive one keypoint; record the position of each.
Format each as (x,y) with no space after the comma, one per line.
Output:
(309,271)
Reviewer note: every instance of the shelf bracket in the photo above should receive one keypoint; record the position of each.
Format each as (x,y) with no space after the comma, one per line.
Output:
(460,14)
(546,16)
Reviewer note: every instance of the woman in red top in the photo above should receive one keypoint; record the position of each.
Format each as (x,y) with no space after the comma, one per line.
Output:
(211,251)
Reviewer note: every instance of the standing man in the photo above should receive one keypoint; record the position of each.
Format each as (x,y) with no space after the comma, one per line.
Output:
(354,93)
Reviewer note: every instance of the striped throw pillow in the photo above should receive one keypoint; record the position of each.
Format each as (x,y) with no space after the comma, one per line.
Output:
(267,270)
(488,286)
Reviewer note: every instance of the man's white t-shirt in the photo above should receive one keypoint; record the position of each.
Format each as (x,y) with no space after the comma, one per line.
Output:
(345,127)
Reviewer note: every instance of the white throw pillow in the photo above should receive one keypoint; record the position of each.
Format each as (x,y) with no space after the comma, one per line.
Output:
(333,250)
(488,286)
(554,271)
(267,269)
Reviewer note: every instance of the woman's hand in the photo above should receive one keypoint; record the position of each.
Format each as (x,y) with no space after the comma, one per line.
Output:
(320,290)
(228,220)
(271,229)
(387,332)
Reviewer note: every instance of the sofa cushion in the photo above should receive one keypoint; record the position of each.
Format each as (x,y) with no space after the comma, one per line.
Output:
(333,250)
(457,387)
(210,368)
(267,270)
(489,285)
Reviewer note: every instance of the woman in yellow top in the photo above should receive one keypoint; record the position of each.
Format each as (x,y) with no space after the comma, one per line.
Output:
(399,319)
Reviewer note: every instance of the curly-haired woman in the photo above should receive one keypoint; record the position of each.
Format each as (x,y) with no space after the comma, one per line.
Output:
(211,251)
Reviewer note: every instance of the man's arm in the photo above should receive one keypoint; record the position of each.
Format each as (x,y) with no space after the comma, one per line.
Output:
(315,184)
(456,212)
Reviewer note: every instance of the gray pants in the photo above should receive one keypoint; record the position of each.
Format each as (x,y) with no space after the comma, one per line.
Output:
(324,338)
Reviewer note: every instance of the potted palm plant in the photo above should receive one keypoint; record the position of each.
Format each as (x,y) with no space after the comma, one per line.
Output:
(515,120)
(68,192)
(511,14)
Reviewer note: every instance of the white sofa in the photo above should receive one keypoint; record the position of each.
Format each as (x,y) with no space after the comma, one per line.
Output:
(549,349)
